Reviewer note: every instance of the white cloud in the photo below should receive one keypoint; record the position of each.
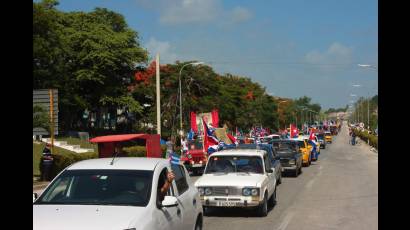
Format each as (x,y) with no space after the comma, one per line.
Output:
(335,54)
(163,48)
(178,12)
(190,11)
(240,14)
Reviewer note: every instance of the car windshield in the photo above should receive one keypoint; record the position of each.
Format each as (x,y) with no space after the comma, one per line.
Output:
(233,164)
(285,147)
(99,187)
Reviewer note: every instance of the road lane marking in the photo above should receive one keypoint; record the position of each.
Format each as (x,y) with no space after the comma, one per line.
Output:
(286,221)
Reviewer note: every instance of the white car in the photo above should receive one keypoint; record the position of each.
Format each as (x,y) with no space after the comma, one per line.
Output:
(238,178)
(124,195)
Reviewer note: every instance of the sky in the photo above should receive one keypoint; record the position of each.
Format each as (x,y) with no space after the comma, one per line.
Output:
(293,48)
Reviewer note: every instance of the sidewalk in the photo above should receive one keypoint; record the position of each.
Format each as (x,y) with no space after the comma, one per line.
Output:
(363,144)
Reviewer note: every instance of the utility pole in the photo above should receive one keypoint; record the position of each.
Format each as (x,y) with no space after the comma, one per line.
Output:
(51,94)
(158,97)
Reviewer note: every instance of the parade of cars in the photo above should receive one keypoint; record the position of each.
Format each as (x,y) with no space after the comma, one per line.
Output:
(240,176)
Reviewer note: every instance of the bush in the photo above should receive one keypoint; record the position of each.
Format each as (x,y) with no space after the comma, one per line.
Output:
(64,159)
(373,140)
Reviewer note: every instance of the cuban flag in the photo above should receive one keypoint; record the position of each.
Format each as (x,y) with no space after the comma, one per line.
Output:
(209,138)
(294,132)
(174,159)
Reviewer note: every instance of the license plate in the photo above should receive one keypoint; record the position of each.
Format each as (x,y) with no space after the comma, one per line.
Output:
(227,203)
(196,165)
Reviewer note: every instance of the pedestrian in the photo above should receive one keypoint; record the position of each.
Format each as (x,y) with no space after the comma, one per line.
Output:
(46,163)
(170,147)
(353,138)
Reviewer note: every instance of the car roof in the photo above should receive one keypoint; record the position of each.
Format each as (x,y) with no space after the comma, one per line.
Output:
(122,163)
(240,152)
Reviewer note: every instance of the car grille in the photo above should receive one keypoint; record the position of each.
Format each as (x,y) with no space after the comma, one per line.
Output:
(225,191)
(196,159)
(284,161)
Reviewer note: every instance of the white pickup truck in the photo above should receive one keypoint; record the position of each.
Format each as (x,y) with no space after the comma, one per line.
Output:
(238,178)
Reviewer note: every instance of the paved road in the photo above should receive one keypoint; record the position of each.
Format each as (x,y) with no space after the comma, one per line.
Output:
(340,191)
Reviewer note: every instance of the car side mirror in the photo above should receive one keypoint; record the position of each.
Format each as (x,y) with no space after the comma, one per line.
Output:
(169,201)
(34,196)
(269,171)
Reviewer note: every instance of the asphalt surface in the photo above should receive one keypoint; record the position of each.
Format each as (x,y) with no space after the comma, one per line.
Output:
(339,191)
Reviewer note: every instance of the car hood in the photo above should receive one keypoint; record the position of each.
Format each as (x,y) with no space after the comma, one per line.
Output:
(230,179)
(65,217)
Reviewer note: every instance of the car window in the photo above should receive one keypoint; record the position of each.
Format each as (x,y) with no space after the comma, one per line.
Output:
(161,181)
(180,178)
(267,163)
(99,187)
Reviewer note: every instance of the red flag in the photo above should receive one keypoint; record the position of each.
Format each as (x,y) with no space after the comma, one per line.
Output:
(232,138)
(293,131)
(215,118)
(312,135)
(194,126)
(208,140)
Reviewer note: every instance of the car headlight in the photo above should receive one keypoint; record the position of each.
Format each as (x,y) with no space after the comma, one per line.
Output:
(246,192)
(208,191)
(201,191)
(250,191)
(292,161)
(255,192)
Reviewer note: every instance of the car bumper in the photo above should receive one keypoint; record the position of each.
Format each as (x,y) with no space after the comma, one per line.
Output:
(289,167)
(231,201)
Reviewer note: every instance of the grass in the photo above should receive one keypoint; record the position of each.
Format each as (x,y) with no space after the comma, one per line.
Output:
(38,150)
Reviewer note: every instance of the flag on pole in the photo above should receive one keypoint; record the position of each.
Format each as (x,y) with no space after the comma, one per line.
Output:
(209,138)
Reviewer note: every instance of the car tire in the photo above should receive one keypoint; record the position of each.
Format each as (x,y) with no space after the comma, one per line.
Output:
(300,169)
(263,208)
(296,172)
(198,224)
(272,199)
(280,179)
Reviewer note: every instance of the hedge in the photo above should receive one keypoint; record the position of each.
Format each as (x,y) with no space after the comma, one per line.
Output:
(66,158)
(62,160)
(373,140)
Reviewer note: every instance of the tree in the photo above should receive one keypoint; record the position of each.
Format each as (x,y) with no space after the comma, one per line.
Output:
(41,119)
(89,57)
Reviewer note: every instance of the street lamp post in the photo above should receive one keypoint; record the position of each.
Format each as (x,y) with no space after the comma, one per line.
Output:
(180,93)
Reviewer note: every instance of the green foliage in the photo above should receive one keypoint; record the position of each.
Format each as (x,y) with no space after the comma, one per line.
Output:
(63,159)
(41,119)
(90,57)
(365,136)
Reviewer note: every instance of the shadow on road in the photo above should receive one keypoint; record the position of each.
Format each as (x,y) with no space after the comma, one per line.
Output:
(234,212)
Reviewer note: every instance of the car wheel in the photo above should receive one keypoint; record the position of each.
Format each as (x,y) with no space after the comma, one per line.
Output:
(280,179)
(296,172)
(300,169)
(198,224)
(263,208)
(272,199)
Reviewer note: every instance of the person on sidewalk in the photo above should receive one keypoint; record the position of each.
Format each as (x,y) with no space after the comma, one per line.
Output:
(353,138)
(46,163)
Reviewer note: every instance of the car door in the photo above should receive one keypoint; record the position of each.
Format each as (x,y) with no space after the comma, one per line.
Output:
(271,176)
(186,197)
(276,164)
(166,218)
